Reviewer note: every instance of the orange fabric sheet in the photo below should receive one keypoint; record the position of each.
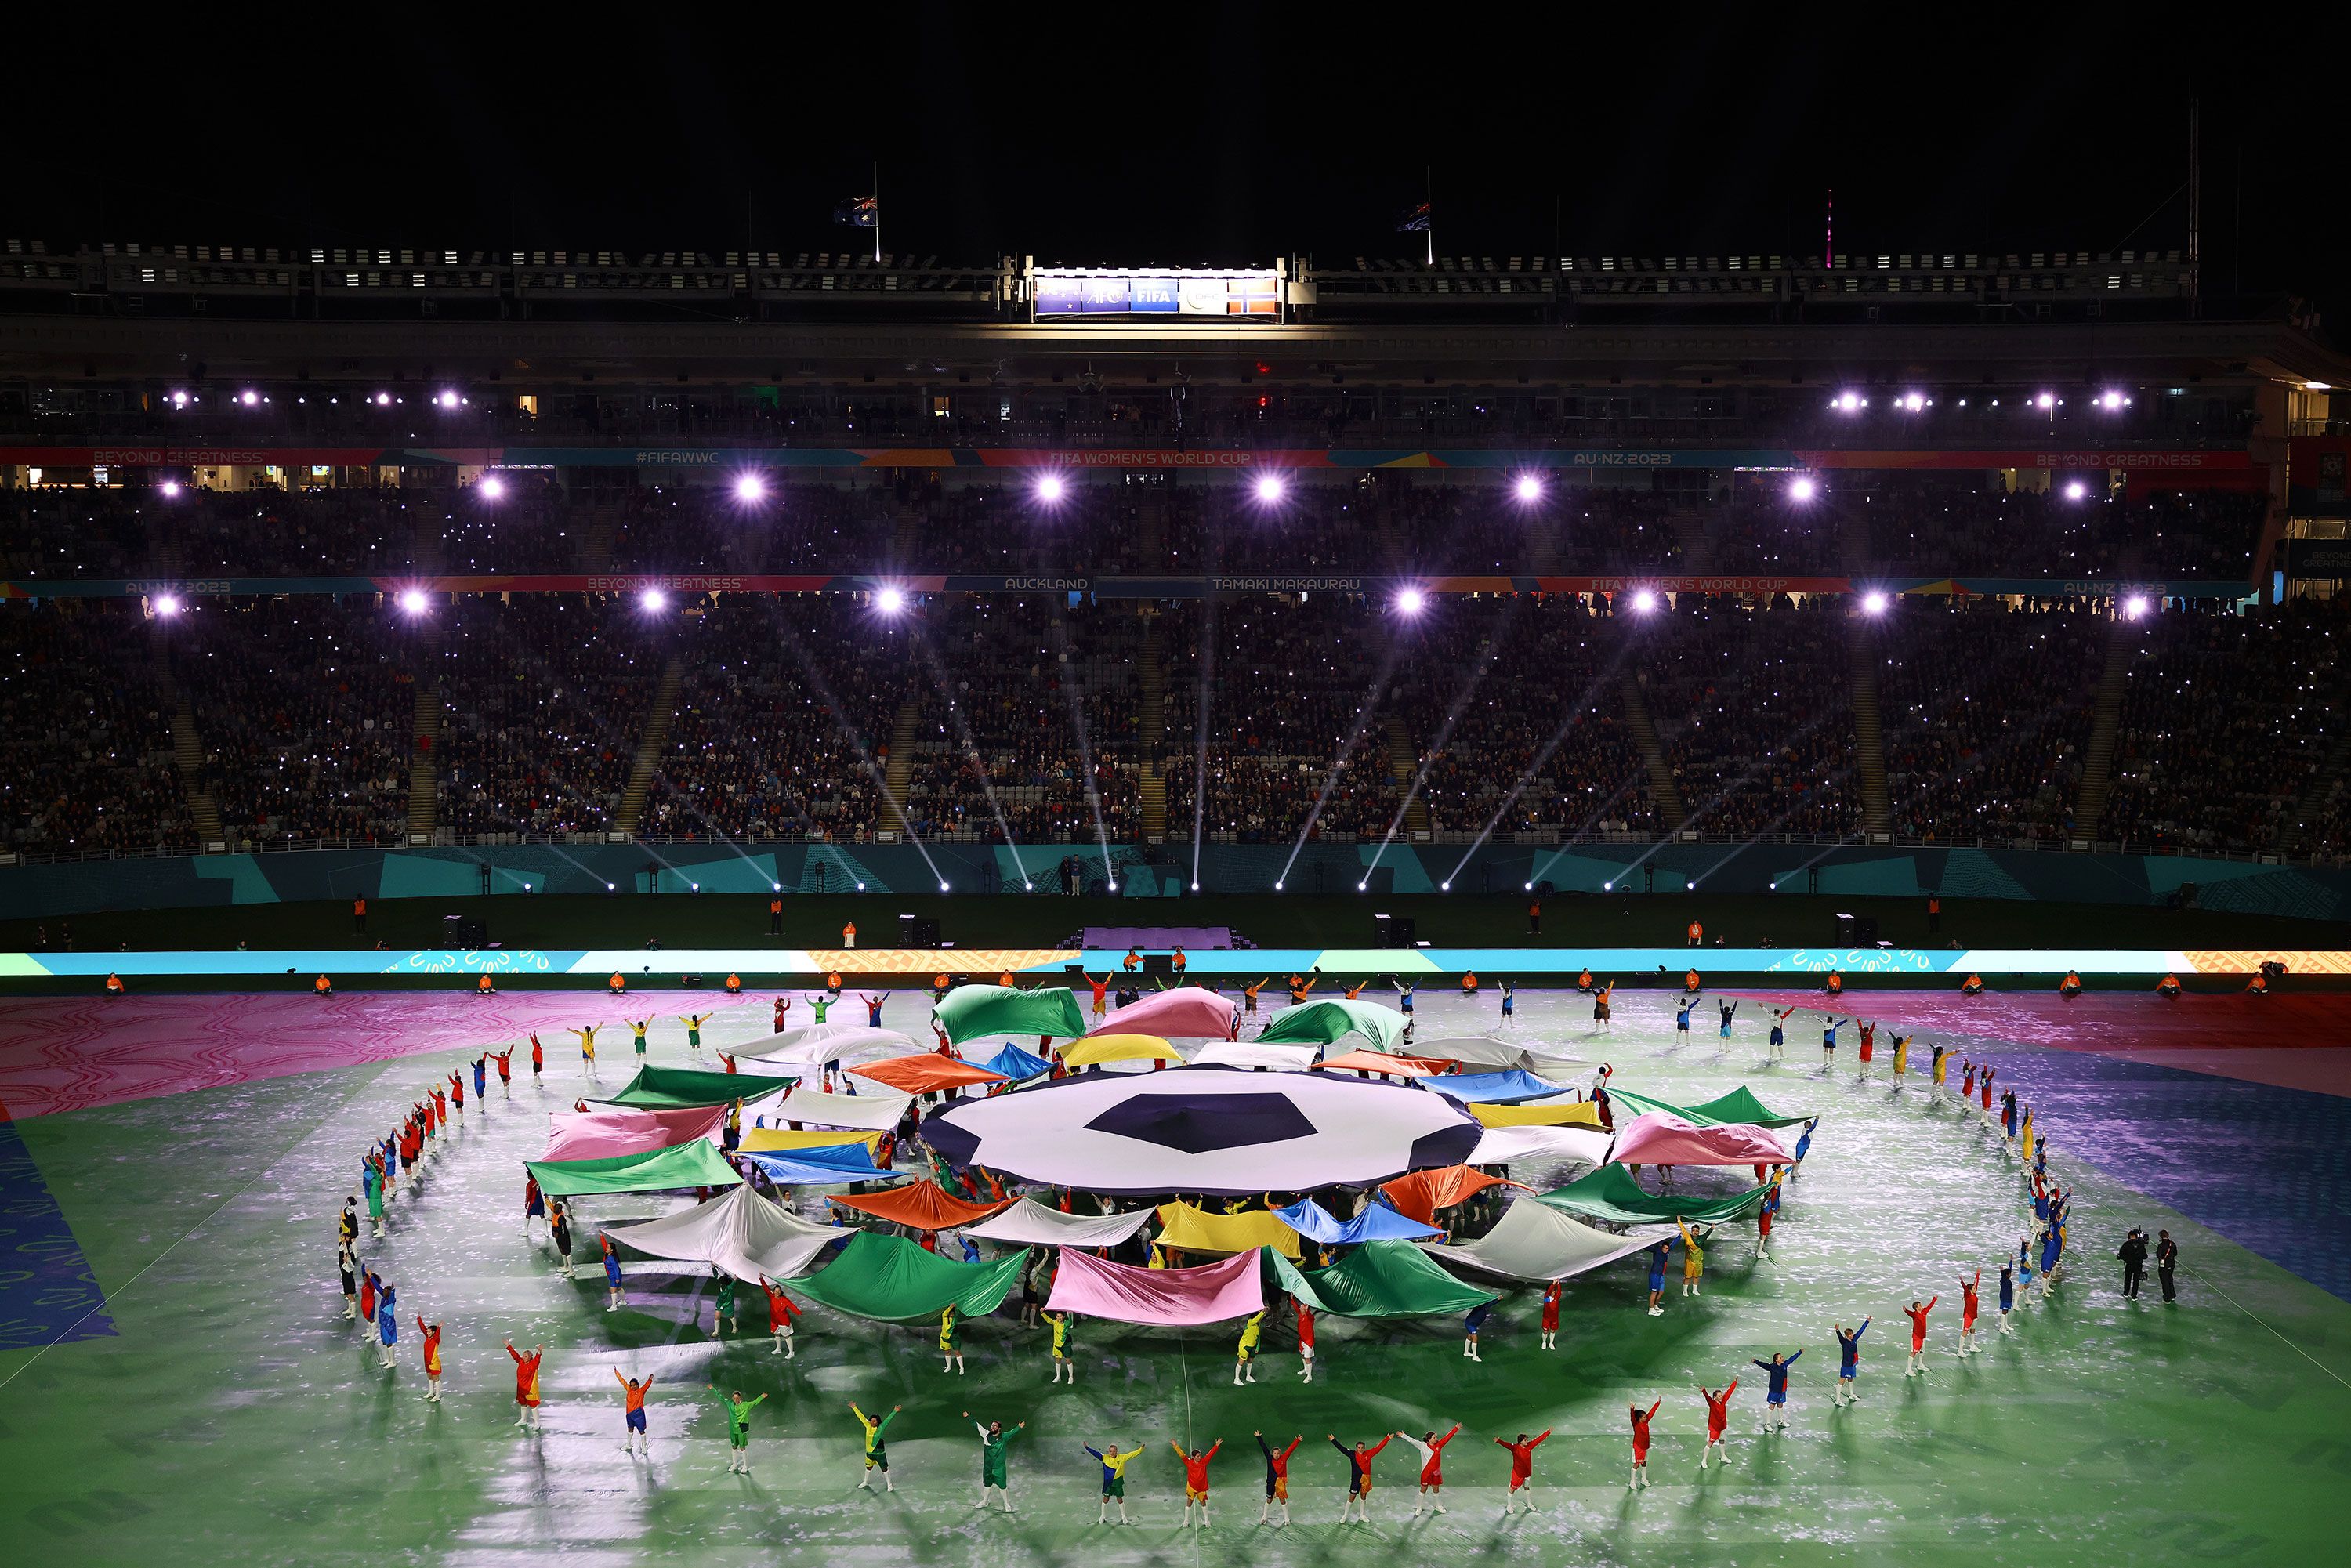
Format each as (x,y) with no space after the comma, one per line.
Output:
(926,1073)
(923,1205)
(1420,1195)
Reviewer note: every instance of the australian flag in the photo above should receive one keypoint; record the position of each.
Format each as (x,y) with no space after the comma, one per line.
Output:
(858,213)
(1416,221)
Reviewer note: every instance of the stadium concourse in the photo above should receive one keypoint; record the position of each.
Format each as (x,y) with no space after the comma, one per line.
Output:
(180,1241)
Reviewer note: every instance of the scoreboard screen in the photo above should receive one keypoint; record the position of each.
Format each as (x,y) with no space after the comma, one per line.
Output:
(1091,291)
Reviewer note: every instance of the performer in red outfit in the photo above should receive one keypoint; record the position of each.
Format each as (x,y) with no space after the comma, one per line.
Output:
(526,1385)
(1522,1462)
(1641,1419)
(1918,1316)
(1718,1417)
(1431,1449)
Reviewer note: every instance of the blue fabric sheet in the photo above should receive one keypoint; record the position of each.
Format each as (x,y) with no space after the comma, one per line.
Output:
(1492,1088)
(822,1167)
(1016,1064)
(1378,1222)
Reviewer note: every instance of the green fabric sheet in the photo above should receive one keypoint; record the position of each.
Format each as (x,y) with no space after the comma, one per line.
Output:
(1378,1280)
(697,1164)
(1740,1107)
(681,1088)
(891,1278)
(1610,1193)
(971,1011)
(1322,1023)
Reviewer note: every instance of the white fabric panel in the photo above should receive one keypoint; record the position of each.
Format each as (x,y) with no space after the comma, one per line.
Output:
(1535,1243)
(741,1231)
(874,1109)
(1028,1223)
(1248,1053)
(1503,1145)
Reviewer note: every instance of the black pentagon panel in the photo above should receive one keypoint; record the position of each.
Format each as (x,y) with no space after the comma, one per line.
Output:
(1199,1124)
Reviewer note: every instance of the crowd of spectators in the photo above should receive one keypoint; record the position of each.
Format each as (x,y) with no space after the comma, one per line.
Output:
(2225,721)
(1985,712)
(1753,710)
(1031,715)
(75,533)
(543,699)
(783,720)
(304,708)
(86,758)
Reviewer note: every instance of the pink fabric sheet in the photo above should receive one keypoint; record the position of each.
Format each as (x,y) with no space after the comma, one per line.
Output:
(1660,1138)
(1184,1012)
(597,1134)
(1158,1297)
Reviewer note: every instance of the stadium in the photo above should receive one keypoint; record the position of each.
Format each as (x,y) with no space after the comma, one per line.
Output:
(1485,837)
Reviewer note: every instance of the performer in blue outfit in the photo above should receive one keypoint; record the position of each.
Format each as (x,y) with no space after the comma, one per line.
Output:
(1657,1255)
(1775,1397)
(1848,1363)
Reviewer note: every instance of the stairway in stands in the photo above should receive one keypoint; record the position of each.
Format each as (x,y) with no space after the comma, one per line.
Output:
(2326,784)
(2105,725)
(1151,733)
(425,765)
(650,743)
(899,772)
(1868,731)
(1664,792)
(188,756)
(1404,764)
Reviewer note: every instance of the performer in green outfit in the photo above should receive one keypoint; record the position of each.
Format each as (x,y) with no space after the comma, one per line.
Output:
(738,1430)
(877,1456)
(993,1440)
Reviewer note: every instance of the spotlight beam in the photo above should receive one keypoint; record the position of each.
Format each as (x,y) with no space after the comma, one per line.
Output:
(823,689)
(1436,748)
(1085,750)
(1599,684)
(970,750)
(1364,712)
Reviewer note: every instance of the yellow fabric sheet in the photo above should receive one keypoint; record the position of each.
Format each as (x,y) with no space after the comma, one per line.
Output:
(1197,1230)
(1538,1113)
(769,1140)
(1118,1048)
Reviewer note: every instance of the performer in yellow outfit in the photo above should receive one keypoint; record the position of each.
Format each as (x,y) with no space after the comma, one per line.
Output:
(1693,1259)
(1245,1357)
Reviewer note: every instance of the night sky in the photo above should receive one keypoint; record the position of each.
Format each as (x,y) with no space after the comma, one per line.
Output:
(1192,134)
